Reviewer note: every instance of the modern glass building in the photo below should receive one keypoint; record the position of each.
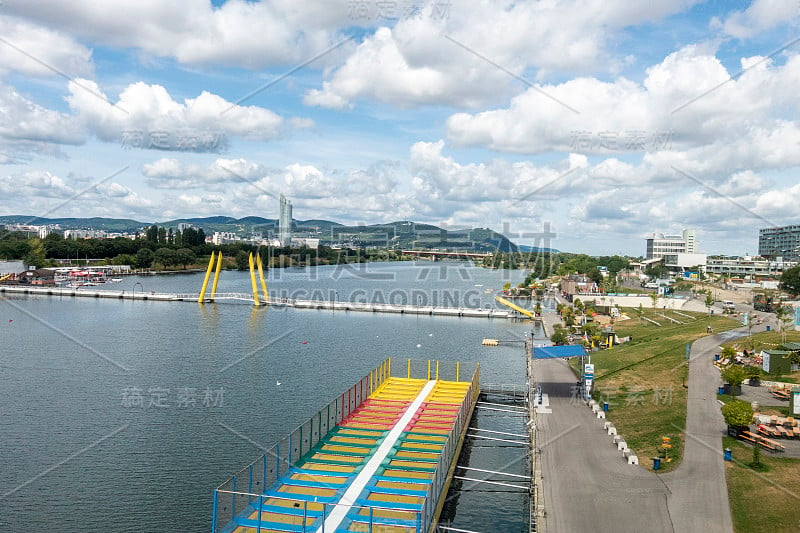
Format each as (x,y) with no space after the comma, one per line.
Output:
(781,241)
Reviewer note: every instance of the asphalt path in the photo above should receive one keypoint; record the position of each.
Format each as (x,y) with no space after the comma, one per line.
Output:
(588,486)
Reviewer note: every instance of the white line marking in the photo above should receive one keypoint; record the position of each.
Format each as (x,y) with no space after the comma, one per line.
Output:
(354,490)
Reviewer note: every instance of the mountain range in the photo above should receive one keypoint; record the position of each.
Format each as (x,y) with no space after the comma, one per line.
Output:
(401,234)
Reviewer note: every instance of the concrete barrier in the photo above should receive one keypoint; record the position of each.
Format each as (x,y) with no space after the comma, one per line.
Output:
(617,438)
(607,424)
(633,459)
(612,430)
(622,445)
(601,414)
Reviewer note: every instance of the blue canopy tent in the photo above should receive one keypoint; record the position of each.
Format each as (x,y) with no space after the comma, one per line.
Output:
(552,352)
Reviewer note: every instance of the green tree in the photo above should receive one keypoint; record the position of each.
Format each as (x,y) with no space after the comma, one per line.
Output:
(790,280)
(595,275)
(162,235)
(123,259)
(654,300)
(184,256)
(152,233)
(166,256)
(709,300)
(170,237)
(784,318)
(728,352)
(537,309)
(734,375)
(559,336)
(737,413)
(144,258)
(36,256)
(242,260)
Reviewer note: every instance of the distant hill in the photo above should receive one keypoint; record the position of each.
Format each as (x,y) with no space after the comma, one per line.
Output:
(122,225)
(403,234)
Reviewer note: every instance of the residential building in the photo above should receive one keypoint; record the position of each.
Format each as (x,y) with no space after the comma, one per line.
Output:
(84,234)
(783,241)
(183,226)
(285,222)
(224,237)
(660,245)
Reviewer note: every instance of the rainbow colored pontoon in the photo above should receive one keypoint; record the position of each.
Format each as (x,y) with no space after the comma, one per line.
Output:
(377,459)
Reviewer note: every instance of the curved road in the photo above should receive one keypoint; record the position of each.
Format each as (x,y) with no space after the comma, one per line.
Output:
(589,487)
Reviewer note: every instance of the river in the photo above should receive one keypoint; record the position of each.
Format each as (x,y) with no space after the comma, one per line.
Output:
(124,415)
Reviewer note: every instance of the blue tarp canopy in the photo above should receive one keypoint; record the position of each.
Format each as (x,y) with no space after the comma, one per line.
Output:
(550,352)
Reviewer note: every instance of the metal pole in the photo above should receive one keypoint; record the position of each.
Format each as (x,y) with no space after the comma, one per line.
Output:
(214,512)
(260,505)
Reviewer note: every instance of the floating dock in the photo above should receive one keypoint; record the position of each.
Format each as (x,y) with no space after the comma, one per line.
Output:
(379,458)
(325,305)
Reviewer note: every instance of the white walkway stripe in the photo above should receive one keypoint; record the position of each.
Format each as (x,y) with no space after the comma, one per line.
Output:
(354,490)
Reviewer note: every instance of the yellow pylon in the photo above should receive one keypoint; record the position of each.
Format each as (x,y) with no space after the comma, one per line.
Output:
(261,276)
(202,294)
(253,281)
(216,275)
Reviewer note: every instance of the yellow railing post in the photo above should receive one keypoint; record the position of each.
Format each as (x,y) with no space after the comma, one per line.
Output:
(389,372)
(202,294)
(458,367)
(253,281)
(216,275)
(429,369)
(437,370)
(261,276)
(409,368)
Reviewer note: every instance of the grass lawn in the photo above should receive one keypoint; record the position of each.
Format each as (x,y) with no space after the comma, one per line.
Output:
(644,380)
(767,500)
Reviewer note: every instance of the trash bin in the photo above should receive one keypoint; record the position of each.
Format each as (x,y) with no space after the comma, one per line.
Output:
(656,463)
(769,328)
(727,454)
(721,390)
(716,357)
(605,406)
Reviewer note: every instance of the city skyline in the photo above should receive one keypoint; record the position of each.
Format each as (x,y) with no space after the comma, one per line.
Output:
(627,120)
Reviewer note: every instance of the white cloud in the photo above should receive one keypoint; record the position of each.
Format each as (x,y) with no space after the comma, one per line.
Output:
(36,51)
(197,124)
(760,16)
(684,113)
(239,32)
(23,120)
(423,60)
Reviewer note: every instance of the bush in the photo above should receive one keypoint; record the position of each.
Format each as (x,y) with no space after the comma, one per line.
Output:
(734,375)
(737,413)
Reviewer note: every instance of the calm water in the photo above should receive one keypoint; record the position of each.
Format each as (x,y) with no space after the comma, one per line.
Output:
(124,416)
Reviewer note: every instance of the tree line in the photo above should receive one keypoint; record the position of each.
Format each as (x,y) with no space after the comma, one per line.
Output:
(168,248)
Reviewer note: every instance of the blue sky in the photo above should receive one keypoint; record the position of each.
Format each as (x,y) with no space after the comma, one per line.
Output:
(608,120)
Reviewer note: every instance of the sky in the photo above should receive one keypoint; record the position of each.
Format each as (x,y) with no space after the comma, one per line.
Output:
(583,125)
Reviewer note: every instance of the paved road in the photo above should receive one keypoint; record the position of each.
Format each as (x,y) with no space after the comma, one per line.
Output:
(699,491)
(588,485)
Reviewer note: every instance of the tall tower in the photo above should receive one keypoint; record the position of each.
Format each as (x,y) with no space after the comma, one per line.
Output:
(285,222)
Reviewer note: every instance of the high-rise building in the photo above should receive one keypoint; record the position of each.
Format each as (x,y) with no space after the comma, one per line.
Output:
(781,241)
(285,222)
(660,245)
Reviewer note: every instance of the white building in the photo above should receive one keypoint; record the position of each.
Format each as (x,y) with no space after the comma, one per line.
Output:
(84,234)
(224,237)
(660,245)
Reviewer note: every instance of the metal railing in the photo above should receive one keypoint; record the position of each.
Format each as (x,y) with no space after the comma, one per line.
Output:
(247,489)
